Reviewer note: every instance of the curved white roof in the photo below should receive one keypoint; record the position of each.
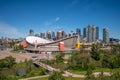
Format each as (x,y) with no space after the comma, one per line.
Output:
(36,40)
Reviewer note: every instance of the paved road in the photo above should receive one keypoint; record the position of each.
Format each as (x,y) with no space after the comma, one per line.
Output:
(34,77)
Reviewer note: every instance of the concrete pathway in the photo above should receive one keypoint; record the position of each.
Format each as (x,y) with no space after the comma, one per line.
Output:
(36,77)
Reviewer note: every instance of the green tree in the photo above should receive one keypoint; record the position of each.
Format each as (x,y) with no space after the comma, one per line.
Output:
(29,65)
(91,65)
(115,49)
(116,76)
(56,76)
(59,56)
(42,71)
(2,63)
(89,75)
(95,52)
(111,61)
(82,59)
(12,44)
(21,47)
(8,78)
(9,61)
(79,61)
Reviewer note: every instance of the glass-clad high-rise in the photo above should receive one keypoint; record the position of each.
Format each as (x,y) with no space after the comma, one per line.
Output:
(105,36)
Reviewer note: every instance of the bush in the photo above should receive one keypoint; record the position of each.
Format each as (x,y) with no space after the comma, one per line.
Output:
(7,62)
(42,71)
(91,66)
(32,73)
(56,76)
(8,78)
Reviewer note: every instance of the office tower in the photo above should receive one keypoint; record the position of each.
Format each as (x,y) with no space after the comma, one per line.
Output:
(84,32)
(105,36)
(49,35)
(71,33)
(63,34)
(78,32)
(59,35)
(31,32)
(37,35)
(42,35)
(89,33)
(92,33)
(97,33)
(53,35)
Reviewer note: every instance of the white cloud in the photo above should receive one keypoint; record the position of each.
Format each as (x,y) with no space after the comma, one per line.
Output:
(51,22)
(48,23)
(73,3)
(9,31)
(57,19)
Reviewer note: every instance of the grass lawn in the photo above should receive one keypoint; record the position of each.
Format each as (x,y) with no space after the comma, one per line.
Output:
(66,78)
(102,69)
(7,72)
(78,72)
(96,70)
(117,69)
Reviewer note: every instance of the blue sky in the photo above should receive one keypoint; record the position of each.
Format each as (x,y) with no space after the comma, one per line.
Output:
(18,16)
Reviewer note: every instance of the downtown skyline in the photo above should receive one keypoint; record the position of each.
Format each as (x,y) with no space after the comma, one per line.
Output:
(18,16)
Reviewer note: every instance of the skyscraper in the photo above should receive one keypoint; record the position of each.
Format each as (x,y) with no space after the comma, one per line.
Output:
(59,35)
(92,33)
(53,35)
(89,33)
(49,35)
(37,35)
(97,33)
(78,32)
(42,35)
(31,32)
(63,34)
(84,32)
(105,36)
